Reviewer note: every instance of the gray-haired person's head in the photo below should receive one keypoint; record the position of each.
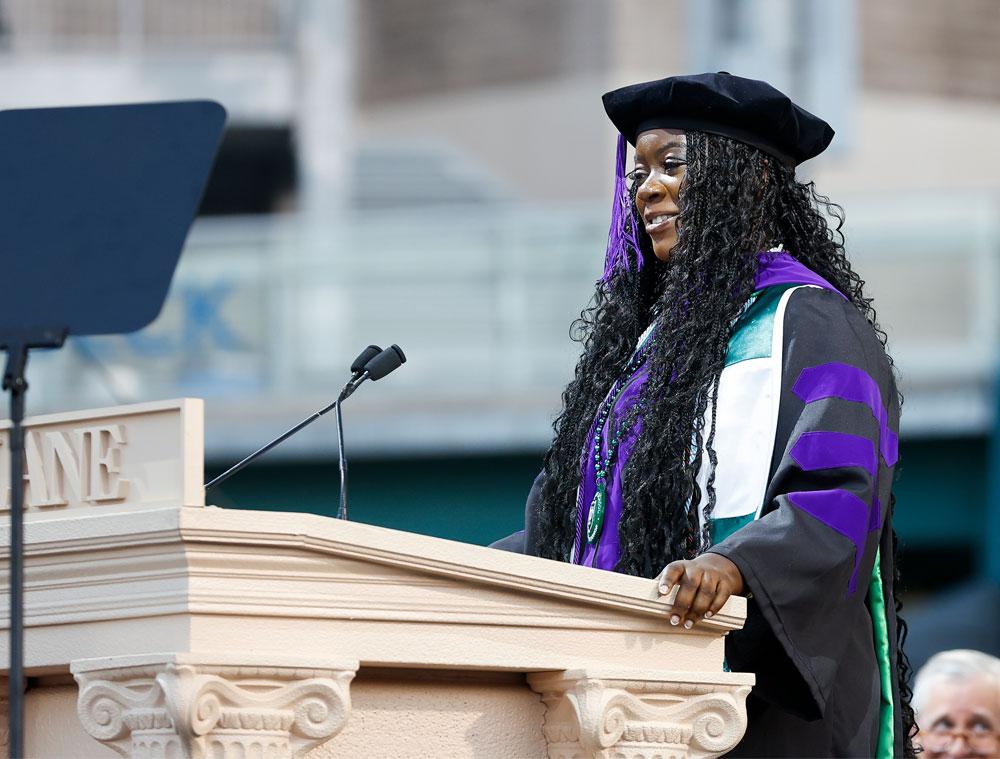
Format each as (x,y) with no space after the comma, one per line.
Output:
(956,698)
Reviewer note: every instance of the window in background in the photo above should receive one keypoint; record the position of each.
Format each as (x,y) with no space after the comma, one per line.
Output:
(254,173)
(805,48)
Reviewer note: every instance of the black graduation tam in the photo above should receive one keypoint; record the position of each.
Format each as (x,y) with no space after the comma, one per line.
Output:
(747,110)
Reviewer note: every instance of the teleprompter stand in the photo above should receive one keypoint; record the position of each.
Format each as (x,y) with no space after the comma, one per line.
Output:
(95,205)
(13,382)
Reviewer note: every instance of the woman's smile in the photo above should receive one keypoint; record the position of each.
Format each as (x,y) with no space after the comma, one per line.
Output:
(657,223)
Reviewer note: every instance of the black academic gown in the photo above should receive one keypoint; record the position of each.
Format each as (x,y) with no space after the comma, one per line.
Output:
(810,635)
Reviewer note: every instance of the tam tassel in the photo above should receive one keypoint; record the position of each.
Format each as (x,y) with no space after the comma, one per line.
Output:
(621,235)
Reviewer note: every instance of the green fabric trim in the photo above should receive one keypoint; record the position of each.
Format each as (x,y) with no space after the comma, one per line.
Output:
(876,602)
(722,528)
(752,336)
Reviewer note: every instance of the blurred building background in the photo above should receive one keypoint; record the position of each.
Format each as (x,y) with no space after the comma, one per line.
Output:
(436,174)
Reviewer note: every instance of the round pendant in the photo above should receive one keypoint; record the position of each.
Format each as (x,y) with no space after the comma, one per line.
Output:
(595,519)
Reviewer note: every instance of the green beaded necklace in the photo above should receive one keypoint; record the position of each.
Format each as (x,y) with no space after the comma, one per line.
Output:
(595,516)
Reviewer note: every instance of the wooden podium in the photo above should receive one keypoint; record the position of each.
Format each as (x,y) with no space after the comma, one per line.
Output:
(156,626)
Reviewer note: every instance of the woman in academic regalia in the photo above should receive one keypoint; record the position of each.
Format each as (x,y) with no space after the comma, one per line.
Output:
(731,427)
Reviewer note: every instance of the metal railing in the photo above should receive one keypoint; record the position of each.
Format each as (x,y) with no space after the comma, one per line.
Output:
(60,26)
(265,314)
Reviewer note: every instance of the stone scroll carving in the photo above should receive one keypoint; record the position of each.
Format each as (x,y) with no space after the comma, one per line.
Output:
(201,710)
(591,716)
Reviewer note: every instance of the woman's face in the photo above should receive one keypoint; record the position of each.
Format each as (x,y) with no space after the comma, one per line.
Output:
(660,166)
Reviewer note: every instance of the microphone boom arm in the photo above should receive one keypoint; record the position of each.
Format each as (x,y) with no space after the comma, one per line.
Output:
(349,388)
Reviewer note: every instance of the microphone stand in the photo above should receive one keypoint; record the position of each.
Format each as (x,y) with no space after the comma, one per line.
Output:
(349,388)
(342,511)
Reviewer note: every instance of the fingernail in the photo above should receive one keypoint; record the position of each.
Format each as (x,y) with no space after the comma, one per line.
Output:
(664,589)
(708,614)
(688,625)
(675,620)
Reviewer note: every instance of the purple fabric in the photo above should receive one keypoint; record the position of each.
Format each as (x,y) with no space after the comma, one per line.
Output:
(621,234)
(604,555)
(849,383)
(830,450)
(782,268)
(775,269)
(875,522)
(841,511)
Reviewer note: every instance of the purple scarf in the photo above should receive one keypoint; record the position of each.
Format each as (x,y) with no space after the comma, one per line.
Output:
(776,268)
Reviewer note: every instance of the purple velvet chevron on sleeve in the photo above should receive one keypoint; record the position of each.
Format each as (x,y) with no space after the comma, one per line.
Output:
(839,509)
(828,450)
(849,383)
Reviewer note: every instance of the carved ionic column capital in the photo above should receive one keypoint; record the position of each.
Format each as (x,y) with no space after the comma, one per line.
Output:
(196,706)
(615,715)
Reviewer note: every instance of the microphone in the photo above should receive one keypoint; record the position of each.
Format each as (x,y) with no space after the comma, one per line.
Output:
(359,369)
(375,368)
(358,365)
(386,361)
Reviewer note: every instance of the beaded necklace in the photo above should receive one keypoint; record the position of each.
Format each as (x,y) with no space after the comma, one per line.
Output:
(595,516)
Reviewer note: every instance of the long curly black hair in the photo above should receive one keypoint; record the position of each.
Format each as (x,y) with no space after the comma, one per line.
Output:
(734,201)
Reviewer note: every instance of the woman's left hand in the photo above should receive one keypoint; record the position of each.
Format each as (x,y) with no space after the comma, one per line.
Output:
(706,583)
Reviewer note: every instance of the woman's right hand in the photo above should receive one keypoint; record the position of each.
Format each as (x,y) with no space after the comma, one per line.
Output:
(704,585)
